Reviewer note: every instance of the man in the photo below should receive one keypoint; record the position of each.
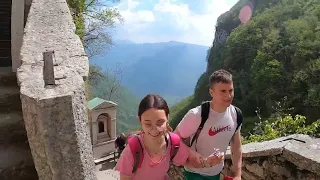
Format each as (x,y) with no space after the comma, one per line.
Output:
(221,127)
(120,143)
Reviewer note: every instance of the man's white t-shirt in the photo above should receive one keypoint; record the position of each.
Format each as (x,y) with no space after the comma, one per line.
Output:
(216,134)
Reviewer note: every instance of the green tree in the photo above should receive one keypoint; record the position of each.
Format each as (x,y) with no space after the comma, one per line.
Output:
(94,19)
(271,129)
(100,19)
(273,58)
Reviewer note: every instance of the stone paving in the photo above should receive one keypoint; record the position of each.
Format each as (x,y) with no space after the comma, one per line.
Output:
(105,171)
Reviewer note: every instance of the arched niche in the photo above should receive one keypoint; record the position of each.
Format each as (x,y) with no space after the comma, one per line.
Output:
(104,126)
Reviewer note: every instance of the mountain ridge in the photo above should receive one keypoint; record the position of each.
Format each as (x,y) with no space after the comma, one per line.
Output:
(175,66)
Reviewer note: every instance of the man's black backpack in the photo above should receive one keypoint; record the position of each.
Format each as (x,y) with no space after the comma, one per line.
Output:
(205,109)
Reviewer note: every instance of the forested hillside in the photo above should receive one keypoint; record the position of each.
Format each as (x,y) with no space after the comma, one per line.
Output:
(274,59)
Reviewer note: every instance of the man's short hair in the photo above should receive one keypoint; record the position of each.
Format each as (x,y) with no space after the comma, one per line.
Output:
(220,76)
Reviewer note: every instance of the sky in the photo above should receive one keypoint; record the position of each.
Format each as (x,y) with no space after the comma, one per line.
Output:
(189,21)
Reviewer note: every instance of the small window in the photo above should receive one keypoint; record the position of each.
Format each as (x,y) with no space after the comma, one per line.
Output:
(101,127)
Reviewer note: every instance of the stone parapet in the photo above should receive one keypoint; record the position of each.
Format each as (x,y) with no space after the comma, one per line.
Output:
(286,158)
(293,157)
(55,116)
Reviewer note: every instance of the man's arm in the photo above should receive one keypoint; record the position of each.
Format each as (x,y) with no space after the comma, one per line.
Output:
(236,153)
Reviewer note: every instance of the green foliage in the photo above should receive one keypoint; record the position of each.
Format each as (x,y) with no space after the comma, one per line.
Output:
(100,17)
(77,8)
(274,55)
(275,62)
(271,129)
(179,110)
(202,89)
(106,85)
(92,18)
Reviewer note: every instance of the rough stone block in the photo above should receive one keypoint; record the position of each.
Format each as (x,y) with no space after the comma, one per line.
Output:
(280,170)
(256,169)
(246,175)
(59,137)
(304,155)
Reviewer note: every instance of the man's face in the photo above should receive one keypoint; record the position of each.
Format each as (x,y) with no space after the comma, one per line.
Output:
(222,93)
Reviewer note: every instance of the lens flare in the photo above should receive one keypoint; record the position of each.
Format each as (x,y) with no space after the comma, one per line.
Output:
(245,14)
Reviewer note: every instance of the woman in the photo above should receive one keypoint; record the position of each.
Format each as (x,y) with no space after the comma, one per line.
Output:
(155,145)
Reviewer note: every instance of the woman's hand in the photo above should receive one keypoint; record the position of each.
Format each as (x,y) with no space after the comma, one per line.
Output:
(195,159)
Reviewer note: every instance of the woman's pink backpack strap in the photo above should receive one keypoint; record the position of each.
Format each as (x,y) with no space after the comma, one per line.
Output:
(136,151)
(175,144)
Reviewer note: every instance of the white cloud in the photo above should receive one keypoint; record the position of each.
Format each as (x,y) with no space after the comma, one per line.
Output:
(175,21)
(138,17)
(205,23)
(133,17)
(179,12)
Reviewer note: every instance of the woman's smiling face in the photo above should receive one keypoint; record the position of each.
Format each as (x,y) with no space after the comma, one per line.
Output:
(154,122)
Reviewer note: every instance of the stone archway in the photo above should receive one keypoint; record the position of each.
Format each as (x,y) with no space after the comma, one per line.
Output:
(104,126)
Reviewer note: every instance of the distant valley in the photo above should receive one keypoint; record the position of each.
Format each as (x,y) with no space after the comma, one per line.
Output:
(170,69)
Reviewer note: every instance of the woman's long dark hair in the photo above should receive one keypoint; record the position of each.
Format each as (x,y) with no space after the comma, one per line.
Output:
(154,101)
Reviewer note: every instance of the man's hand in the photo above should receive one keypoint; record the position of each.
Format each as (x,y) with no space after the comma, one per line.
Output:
(195,159)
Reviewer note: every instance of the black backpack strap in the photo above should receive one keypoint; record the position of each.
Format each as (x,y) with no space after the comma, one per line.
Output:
(205,109)
(239,117)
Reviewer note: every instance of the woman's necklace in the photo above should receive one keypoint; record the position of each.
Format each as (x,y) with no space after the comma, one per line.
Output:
(155,155)
(151,151)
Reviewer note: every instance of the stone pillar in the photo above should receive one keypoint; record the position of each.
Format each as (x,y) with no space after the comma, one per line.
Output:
(58,133)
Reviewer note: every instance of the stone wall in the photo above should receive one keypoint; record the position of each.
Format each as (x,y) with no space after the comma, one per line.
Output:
(288,158)
(55,116)
(176,172)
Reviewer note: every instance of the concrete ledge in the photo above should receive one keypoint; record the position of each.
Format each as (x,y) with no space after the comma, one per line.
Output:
(51,28)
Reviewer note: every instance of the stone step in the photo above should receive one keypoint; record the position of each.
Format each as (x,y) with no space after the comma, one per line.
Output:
(17,163)
(12,128)
(5,61)
(10,101)
(7,78)
(9,93)
(5,43)
(5,52)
